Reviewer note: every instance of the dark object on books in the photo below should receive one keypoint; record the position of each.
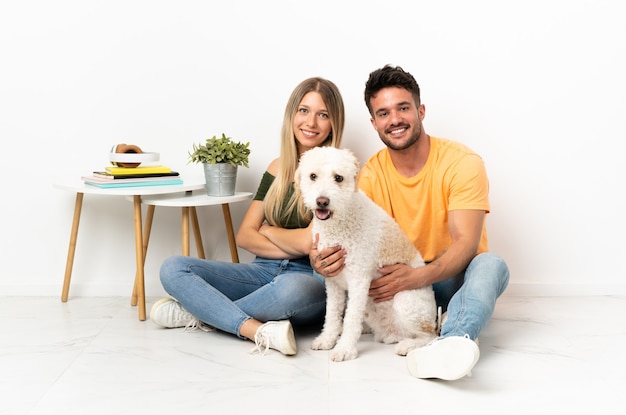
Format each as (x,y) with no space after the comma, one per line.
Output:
(110,176)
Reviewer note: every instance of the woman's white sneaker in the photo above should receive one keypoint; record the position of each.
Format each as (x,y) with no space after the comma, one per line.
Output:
(447,358)
(277,335)
(168,313)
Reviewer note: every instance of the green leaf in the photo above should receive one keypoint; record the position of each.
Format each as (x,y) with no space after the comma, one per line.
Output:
(221,150)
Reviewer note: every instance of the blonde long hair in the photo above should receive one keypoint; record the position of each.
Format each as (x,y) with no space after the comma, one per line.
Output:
(289,157)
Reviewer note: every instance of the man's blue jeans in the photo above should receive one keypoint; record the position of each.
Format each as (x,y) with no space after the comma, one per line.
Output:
(225,294)
(470,297)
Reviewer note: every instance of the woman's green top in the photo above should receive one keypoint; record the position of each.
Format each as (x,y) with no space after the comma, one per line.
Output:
(294,220)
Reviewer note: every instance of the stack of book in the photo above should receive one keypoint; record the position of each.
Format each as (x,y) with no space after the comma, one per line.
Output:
(114,176)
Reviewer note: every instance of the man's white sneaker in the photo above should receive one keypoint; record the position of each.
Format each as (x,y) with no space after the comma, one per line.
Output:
(277,335)
(168,313)
(447,358)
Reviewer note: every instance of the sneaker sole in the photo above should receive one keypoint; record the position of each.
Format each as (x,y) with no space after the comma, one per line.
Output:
(289,349)
(458,361)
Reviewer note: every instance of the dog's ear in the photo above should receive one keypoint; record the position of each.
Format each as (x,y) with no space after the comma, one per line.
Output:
(354,158)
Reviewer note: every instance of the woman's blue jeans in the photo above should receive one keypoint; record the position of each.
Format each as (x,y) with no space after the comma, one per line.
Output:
(470,297)
(224,294)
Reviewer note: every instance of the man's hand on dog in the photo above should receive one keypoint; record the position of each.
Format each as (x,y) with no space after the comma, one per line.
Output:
(394,278)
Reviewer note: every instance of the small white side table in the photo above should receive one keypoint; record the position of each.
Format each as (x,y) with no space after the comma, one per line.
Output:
(188,201)
(80,188)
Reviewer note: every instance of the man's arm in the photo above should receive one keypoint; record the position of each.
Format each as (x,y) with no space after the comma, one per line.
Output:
(465,228)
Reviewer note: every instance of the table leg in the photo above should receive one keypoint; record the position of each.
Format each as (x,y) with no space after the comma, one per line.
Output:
(139,277)
(147,227)
(185,232)
(72,247)
(229,231)
(196,232)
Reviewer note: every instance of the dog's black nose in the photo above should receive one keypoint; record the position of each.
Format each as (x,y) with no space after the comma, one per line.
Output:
(322,202)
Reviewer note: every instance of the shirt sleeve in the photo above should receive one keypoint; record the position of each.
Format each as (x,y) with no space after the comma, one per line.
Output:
(468,184)
(266,182)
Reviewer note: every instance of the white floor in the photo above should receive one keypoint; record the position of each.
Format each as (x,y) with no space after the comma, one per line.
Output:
(546,355)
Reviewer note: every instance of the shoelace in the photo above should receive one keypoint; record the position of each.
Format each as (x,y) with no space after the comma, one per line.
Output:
(196,324)
(260,342)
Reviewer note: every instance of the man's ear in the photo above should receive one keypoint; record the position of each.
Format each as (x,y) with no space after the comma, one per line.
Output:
(373,122)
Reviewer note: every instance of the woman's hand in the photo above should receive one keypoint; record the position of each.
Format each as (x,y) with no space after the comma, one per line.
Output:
(328,262)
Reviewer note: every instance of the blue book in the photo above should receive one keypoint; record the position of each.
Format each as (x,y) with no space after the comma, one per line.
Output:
(123,183)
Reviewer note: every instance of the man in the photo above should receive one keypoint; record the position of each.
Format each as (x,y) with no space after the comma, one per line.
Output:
(437,191)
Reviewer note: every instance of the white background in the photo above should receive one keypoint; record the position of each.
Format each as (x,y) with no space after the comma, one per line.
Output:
(536,87)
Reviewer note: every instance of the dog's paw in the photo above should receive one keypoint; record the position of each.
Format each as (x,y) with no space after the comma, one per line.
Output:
(387,338)
(323,343)
(341,354)
(405,346)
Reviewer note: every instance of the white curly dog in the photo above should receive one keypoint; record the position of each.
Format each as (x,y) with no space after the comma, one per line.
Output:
(344,215)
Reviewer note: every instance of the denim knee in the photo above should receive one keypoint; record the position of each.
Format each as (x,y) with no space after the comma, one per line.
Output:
(170,269)
(491,265)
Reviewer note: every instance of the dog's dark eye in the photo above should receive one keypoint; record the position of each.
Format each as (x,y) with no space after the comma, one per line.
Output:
(313,177)
(338,178)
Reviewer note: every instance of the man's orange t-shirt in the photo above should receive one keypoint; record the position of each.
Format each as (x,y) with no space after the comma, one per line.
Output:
(453,178)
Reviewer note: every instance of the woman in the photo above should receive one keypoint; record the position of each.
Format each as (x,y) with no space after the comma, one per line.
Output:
(260,300)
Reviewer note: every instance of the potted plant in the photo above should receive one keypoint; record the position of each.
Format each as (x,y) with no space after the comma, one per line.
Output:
(220,158)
